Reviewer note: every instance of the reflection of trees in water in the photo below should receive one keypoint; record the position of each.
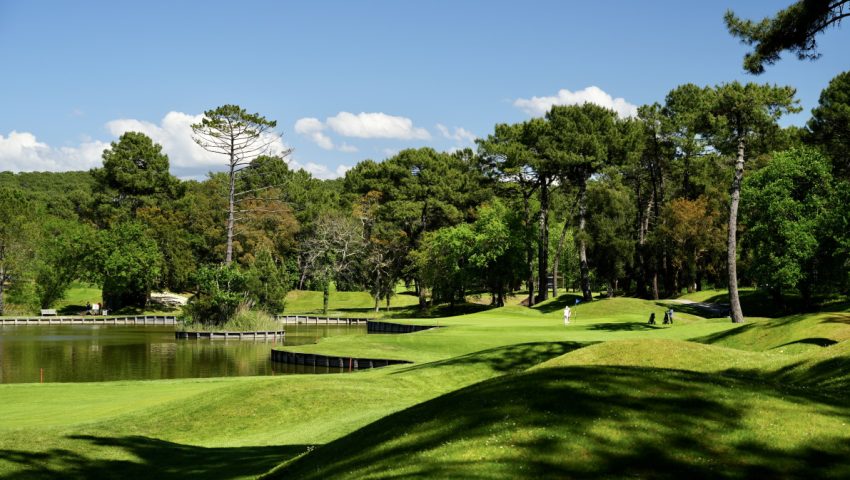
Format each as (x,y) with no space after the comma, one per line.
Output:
(88,354)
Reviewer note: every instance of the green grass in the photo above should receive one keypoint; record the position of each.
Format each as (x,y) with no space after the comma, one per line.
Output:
(79,294)
(500,393)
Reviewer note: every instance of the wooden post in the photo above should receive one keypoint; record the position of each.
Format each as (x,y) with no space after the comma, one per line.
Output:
(41,375)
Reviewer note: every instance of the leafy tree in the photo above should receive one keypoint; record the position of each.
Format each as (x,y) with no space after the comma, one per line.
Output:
(268,281)
(443,261)
(830,123)
(241,136)
(420,190)
(382,264)
(333,250)
(16,239)
(484,254)
(61,258)
(794,28)
(739,117)
(221,289)
(498,249)
(134,175)
(168,225)
(786,213)
(128,264)
(608,233)
(307,197)
(684,115)
(511,164)
(578,143)
(204,208)
(694,231)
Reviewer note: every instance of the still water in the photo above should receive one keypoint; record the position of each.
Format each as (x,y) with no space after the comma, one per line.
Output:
(96,353)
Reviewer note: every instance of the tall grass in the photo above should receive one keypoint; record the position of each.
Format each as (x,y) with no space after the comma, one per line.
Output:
(244,320)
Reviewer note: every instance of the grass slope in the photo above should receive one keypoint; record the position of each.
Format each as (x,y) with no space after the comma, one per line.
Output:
(568,422)
(502,393)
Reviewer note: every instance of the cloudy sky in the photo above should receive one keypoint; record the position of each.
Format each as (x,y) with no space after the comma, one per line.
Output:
(351,80)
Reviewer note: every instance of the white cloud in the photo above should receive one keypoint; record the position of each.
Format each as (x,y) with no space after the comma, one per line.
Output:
(538,106)
(174,133)
(341,170)
(22,152)
(460,135)
(312,128)
(376,125)
(308,125)
(321,171)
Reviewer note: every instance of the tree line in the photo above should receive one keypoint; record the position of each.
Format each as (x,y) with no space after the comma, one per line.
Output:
(702,189)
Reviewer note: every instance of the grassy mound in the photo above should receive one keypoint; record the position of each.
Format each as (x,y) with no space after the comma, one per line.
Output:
(659,353)
(792,334)
(577,422)
(502,393)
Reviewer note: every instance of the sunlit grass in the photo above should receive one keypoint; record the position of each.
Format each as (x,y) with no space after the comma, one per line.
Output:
(502,393)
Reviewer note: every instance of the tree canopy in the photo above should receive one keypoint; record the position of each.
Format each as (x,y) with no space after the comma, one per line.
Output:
(794,28)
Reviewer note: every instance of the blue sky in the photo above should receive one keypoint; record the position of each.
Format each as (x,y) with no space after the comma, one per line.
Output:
(351,80)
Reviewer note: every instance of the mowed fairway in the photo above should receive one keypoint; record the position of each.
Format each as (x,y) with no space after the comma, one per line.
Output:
(504,393)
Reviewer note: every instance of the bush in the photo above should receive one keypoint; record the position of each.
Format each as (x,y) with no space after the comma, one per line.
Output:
(221,291)
(244,320)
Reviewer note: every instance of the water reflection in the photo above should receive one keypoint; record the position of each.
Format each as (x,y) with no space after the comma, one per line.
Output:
(95,353)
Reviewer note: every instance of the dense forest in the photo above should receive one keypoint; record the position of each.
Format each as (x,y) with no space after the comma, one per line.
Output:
(703,188)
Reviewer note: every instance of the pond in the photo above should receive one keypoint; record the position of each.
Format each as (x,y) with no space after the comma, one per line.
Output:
(96,353)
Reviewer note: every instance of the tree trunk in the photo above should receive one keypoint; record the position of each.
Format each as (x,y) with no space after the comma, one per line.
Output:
(230,211)
(543,242)
(655,295)
(326,294)
(2,282)
(558,253)
(529,254)
(582,245)
(377,302)
(643,229)
(731,251)
(420,292)
(610,292)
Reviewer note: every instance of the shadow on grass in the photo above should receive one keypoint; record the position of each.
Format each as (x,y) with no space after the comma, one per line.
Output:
(829,378)
(72,310)
(583,422)
(819,341)
(725,334)
(623,327)
(155,459)
(759,303)
(558,303)
(702,309)
(511,358)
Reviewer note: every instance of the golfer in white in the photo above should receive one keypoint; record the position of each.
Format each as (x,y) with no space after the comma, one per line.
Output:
(567,315)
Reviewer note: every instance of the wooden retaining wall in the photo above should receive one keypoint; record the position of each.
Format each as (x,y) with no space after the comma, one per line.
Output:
(313,320)
(93,320)
(231,335)
(387,327)
(316,360)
